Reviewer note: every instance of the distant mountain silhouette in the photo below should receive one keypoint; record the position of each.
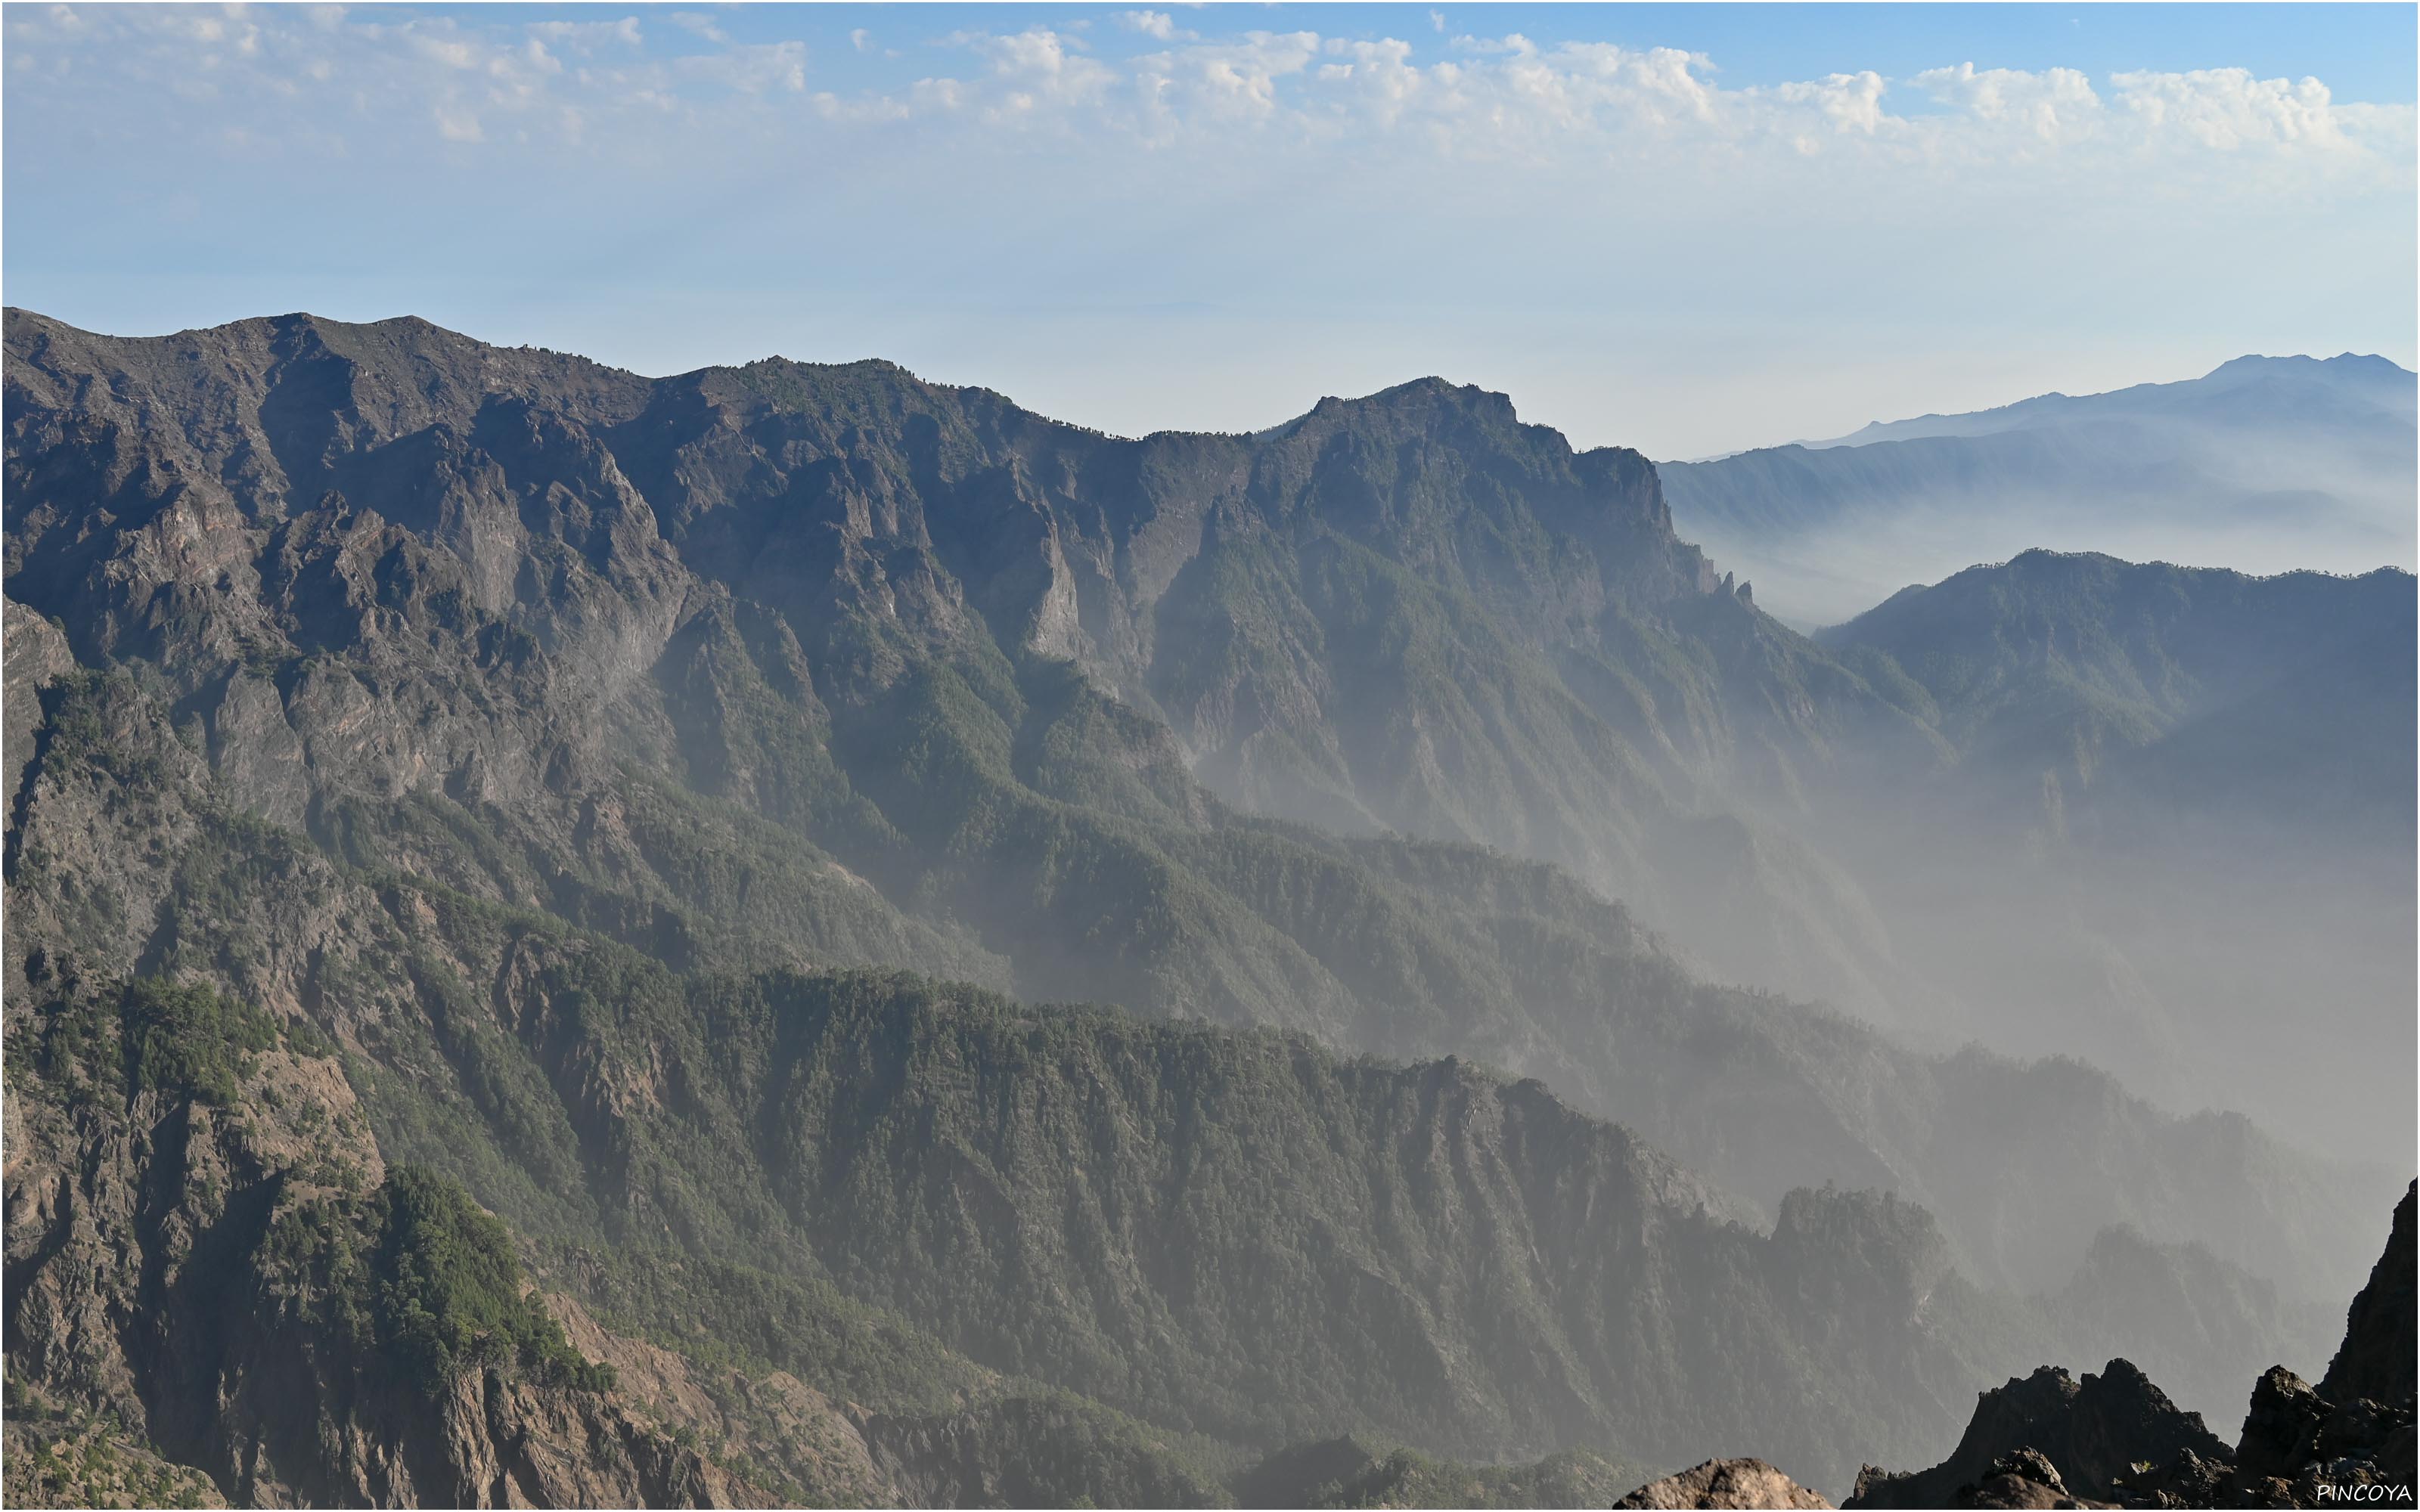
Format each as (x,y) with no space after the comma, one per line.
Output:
(2265,463)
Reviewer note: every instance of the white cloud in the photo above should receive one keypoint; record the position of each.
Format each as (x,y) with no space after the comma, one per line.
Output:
(2231,110)
(1038,71)
(945,94)
(452,52)
(1848,102)
(2056,105)
(1509,42)
(1579,109)
(590,36)
(1207,85)
(750,67)
(833,107)
(1158,24)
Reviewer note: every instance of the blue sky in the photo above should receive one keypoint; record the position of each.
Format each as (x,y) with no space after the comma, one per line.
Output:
(1687,229)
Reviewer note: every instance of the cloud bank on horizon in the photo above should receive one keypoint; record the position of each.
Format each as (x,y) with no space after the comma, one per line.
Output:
(1146,217)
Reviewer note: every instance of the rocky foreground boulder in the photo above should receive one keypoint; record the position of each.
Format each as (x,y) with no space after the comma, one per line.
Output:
(2024,1479)
(2116,1439)
(1725,1483)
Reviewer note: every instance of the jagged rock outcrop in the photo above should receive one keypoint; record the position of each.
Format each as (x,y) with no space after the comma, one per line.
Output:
(1725,1483)
(2051,1442)
(2301,1449)
(2091,1433)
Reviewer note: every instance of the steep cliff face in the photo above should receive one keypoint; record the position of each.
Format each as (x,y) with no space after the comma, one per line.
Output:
(278,495)
(2375,1358)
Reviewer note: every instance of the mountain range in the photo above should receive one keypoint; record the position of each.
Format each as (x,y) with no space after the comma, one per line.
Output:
(2264,459)
(479,816)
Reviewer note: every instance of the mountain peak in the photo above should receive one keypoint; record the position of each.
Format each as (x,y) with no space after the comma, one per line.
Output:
(1429,394)
(2359,365)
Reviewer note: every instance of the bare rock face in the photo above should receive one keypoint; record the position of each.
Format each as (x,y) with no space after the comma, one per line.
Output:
(1725,1483)
(809,1444)
(33,654)
(2376,1359)
(2282,1425)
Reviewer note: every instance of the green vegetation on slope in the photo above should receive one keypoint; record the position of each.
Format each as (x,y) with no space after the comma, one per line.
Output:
(445,1292)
